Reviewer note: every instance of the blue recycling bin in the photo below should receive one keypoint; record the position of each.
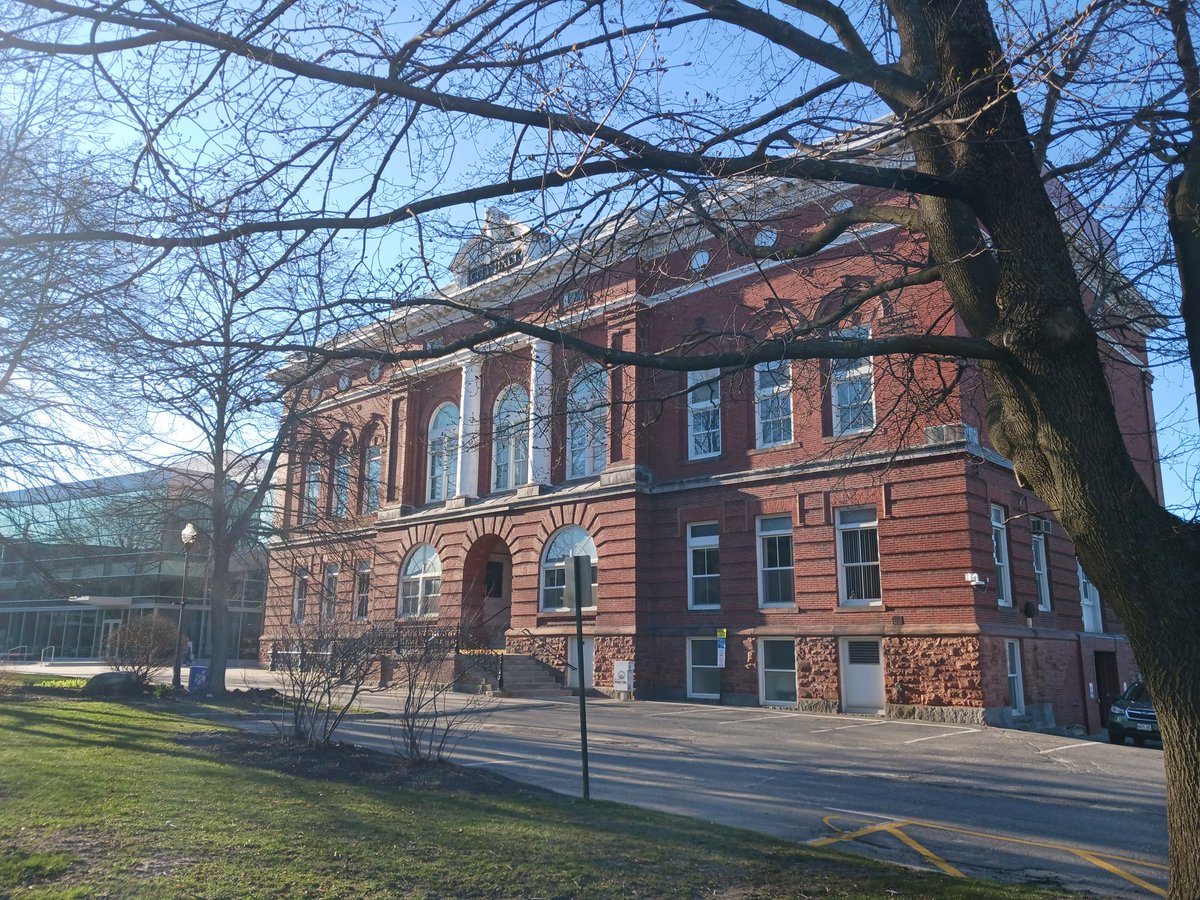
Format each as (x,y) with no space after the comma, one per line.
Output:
(197,679)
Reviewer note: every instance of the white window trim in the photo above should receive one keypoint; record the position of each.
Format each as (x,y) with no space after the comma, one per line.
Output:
(444,451)
(362,611)
(702,542)
(422,612)
(300,595)
(1041,576)
(761,396)
(690,691)
(329,591)
(762,674)
(1012,652)
(999,529)
(844,371)
(592,419)
(340,506)
(544,567)
(758,542)
(510,443)
(696,408)
(840,529)
(371,488)
(310,491)
(1086,589)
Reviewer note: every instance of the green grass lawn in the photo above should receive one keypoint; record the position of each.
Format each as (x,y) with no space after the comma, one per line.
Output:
(112,800)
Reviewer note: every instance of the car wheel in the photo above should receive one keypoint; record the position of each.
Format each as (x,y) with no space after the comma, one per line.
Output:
(1116,737)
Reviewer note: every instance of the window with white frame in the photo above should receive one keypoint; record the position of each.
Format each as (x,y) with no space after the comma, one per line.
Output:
(329,594)
(372,473)
(420,583)
(1089,600)
(310,500)
(1016,682)
(341,483)
(569,541)
(773,403)
(1000,556)
(704,414)
(776,587)
(587,422)
(299,595)
(704,677)
(1041,569)
(852,390)
(362,589)
(858,557)
(510,439)
(704,565)
(777,672)
(443,453)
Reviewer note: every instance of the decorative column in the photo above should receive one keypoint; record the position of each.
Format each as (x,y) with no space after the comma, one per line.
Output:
(540,381)
(468,429)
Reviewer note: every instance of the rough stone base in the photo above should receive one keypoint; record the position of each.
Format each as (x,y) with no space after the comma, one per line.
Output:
(816,706)
(1038,717)
(956,715)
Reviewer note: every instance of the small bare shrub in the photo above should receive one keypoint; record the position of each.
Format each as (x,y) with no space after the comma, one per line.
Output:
(140,645)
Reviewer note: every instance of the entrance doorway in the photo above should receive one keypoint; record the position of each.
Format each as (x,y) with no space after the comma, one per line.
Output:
(487,592)
(862,676)
(1108,682)
(589,648)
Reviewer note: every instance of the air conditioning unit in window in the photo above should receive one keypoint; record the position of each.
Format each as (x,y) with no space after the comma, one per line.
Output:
(1039,526)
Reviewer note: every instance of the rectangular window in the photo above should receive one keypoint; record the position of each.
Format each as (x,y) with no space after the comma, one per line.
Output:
(300,595)
(704,566)
(341,485)
(1041,571)
(1089,599)
(775,582)
(1016,684)
(493,579)
(777,672)
(1000,556)
(851,389)
(704,678)
(329,594)
(311,499)
(362,589)
(858,557)
(773,403)
(704,414)
(372,473)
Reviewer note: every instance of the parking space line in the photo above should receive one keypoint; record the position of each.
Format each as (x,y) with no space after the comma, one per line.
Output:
(857,833)
(781,715)
(1067,747)
(1120,873)
(937,737)
(844,727)
(925,852)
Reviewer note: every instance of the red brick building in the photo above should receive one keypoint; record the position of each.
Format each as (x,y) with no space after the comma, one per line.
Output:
(847,525)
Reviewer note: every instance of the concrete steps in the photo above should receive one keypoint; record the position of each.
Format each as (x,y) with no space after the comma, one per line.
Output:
(525,676)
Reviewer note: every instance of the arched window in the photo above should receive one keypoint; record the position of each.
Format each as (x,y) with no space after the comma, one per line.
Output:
(569,541)
(587,422)
(510,439)
(371,472)
(443,453)
(420,583)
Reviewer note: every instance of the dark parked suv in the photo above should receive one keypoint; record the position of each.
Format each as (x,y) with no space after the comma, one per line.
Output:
(1133,715)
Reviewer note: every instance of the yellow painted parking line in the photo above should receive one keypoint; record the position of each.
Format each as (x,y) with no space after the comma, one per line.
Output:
(926,852)
(855,835)
(1105,861)
(1096,860)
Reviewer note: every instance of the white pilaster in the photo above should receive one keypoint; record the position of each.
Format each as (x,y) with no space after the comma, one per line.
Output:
(468,429)
(540,381)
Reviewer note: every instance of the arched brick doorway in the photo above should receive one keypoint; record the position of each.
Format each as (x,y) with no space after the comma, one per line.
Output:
(487,591)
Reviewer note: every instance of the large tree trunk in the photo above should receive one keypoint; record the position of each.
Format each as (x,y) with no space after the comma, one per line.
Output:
(1050,410)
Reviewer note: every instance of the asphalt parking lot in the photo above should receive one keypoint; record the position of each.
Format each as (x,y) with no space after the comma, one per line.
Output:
(1018,806)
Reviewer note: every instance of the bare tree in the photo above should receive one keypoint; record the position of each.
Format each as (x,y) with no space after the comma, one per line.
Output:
(974,115)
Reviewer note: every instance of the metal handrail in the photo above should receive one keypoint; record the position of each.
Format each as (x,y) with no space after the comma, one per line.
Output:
(50,651)
(540,643)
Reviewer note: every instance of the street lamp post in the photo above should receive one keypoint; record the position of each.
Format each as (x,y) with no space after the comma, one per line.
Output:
(188,536)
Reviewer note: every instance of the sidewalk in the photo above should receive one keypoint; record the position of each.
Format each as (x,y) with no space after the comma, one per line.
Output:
(238,675)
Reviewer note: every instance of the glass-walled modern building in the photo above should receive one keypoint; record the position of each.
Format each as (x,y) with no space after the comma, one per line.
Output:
(77,560)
